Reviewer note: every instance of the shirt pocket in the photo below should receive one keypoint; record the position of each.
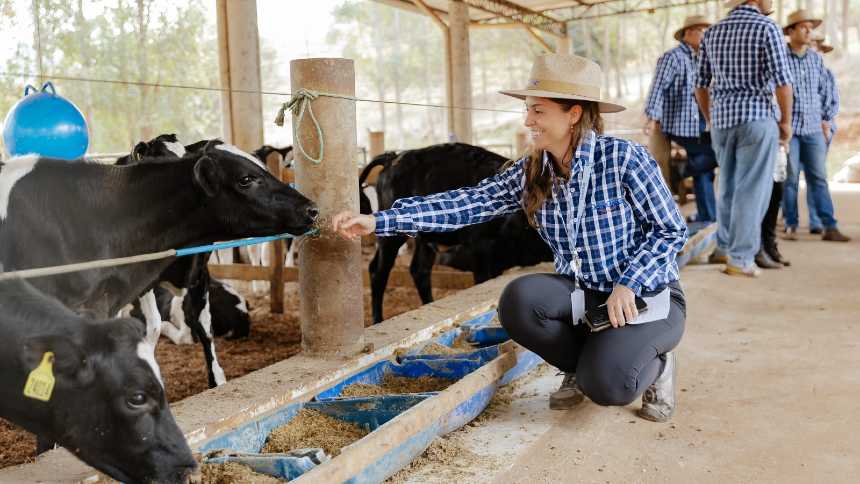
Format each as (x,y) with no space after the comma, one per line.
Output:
(605,220)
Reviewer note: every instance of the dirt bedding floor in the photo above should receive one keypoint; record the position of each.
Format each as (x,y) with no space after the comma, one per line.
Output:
(274,337)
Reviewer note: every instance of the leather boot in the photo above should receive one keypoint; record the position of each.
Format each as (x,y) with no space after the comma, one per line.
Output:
(776,255)
(763,260)
(658,401)
(568,394)
(834,235)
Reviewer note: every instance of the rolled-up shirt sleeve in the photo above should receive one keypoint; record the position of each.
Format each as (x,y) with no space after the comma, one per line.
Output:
(829,95)
(666,69)
(658,215)
(776,57)
(447,211)
(703,69)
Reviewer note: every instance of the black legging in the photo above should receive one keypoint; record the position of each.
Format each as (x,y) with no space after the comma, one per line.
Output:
(768,223)
(614,366)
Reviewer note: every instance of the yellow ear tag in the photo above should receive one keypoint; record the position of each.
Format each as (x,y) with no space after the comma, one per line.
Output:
(40,383)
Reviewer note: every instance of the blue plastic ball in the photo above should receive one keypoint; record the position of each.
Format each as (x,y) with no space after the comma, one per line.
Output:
(45,124)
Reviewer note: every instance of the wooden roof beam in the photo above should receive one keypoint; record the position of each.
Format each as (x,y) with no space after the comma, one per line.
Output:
(507,12)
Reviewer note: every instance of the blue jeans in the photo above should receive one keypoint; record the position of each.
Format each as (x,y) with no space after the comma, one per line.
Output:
(814,219)
(808,152)
(746,154)
(701,161)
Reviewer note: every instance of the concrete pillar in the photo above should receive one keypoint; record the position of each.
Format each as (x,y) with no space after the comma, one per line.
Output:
(242,112)
(330,270)
(461,76)
(377,144)
(239,62)
(562,45)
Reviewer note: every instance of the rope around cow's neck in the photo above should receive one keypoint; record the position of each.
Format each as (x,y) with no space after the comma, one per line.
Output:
(298,104)
(121,261)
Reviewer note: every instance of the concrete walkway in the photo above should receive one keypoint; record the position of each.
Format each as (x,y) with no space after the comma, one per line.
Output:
(770,389)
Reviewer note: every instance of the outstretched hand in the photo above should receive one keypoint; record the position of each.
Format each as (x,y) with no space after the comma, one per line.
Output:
(351,225)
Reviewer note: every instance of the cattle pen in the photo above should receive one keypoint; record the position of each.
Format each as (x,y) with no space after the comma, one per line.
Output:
(439,392)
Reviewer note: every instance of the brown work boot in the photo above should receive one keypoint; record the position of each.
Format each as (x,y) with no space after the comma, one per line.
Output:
(734,270)
(777,256)
(790,233)
(834,235)
(718,257)
(658,401)
(568,394)
(763,260)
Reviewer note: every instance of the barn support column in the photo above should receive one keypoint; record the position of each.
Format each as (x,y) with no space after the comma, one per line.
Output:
(239,61)
(461,66)
(242,112)
(562,45)
(377,144)
(330,269)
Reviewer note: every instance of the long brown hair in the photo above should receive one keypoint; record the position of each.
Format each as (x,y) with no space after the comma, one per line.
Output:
(538,185)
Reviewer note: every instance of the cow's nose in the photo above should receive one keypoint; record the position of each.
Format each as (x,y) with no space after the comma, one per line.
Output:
(312,212)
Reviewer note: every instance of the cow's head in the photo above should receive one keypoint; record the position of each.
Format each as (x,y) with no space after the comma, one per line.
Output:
(108,406)
(246,198)
(162,146)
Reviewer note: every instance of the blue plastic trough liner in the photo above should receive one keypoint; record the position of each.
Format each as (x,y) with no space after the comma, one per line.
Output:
(243,444)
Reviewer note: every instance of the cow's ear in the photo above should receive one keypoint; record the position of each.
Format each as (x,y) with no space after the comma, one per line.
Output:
(207,175)
(70,361)
(139,150)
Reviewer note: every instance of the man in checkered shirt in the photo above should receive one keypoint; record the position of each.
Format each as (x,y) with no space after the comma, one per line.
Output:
(829,110)
(672,108)
(741,59)
(810,128)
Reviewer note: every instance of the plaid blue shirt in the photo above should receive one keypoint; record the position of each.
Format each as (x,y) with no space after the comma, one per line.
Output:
(810,91)
(740,59)
(830,99)
(631,228)
(671,100)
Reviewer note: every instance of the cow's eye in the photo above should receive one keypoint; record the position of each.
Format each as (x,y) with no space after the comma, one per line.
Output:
(136,400)
(246,181)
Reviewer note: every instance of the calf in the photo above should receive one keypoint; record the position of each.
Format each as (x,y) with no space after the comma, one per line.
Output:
(188,305)
(55,212)
(107,406)
(489,248)
(163,145)
(229,310)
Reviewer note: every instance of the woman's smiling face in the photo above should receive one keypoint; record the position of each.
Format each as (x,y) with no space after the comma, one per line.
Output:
(548,123)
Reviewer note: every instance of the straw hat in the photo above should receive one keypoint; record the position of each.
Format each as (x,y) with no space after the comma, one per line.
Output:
(798,16)
(691,21)
(824,48)
(562,76)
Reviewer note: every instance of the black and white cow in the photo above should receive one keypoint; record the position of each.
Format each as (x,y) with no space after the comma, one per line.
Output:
(54,212)
(107,406)
(163,145)
(184,296)
(486,249)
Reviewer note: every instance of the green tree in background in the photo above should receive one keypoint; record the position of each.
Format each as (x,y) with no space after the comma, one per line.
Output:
(149,41)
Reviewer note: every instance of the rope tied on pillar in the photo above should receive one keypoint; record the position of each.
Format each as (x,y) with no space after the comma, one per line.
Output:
(298,104)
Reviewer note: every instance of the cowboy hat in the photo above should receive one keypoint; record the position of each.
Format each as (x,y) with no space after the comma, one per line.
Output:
(822,47)
(691,21)
(798,16)
(562,76)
